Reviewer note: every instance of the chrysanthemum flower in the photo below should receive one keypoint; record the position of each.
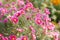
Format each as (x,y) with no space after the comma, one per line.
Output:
(46,10)
(20,2)
(24,38)
(19,13)
(22,11)
(4,10)
(56,35)
(5,20)
(4,38)
(28,5)
(12,37)
(14,19)
(38,19)
(50,26)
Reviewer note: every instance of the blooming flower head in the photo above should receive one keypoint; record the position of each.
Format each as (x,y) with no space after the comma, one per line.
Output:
(14,19)
(4,38)
(5,20)
(18,39)
(38,19)
(22,11)
(13,8)
(46,17)
(17,14)
(1,36)
(50,26)
(47,11)
(1,4)
(35,10)
(56,35)
(7,5)
(20,2)
(12,37)
(13,3)
(3,11)
(24,38)
(28,5)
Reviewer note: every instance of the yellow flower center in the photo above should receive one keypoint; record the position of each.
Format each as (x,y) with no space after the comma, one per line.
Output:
(13,39)
(15,20)
(25,38)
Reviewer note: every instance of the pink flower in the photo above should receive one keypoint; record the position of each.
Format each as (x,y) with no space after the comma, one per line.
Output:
(46,17)
(20,29)
(3,11)
(7,5)
(24,38)
(1,35)
(20,2)
(4,38)
(28,5)
(38,15)
(14,19)
(38,20)
(22,11)
(13,8)
(18,39)
(13,3)
(32,29)
(47,11)
(1,4)
(12,37)
(35,10)
(56,34)
(33,36)
(50,26)
(5,20)
(17,14)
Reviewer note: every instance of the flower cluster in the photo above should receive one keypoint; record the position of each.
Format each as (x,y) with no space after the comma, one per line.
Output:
(22,19)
